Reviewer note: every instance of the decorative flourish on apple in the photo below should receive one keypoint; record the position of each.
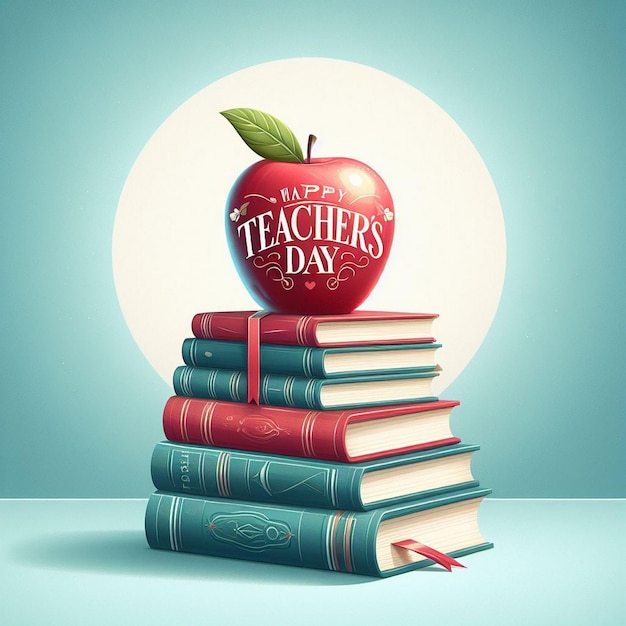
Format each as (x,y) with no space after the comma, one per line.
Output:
(258,195)
(307,235)
(273,267)
(346,270)
(368,195)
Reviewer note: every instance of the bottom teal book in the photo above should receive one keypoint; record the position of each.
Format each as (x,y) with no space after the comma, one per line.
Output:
(359,542)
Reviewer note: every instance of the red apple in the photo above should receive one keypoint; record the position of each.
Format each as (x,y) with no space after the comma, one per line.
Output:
(309,237)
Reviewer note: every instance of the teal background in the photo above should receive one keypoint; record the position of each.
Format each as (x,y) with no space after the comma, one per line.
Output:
(538,87)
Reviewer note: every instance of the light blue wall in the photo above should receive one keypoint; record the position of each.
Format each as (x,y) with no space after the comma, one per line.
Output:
(538,87)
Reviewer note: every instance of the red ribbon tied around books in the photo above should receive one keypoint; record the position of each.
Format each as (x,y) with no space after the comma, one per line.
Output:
(430,553)
(254,355)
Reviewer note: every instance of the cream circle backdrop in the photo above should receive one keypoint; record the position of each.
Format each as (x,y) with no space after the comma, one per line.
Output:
(170,256)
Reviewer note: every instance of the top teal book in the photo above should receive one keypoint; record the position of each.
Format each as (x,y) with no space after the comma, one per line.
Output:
(313,362)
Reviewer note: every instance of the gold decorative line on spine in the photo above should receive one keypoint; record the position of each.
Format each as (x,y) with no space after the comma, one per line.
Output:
(206,324)
(206,418)
(183,420)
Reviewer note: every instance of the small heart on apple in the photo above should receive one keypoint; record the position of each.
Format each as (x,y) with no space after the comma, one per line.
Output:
(307,235)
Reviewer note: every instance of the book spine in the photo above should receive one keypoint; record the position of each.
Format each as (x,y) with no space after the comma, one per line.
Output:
(219,326)
(292,432)
(231,385)
(331,540)
(291,330)
(221,473)
(293,360)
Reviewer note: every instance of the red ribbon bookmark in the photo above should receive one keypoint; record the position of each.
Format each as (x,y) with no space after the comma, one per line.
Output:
(254,355)
(430,553)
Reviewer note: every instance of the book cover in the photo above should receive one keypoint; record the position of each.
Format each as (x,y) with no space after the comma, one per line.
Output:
(347,435)
(356,328)
(359,542)
(278,479)
(313,362)
(307,393)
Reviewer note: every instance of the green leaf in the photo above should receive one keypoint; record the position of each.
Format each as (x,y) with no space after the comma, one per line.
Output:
(265,134)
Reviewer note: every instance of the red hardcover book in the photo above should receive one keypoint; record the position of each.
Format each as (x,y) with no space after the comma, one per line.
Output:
(348,436)
(356,328)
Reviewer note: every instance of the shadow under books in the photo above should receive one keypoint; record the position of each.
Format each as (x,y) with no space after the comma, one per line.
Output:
(126,552)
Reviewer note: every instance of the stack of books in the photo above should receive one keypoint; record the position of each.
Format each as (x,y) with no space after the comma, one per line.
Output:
(313,441)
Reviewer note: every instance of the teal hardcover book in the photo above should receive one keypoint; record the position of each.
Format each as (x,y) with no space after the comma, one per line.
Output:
(312,362)
(278,479)
(359,542)
(306,393)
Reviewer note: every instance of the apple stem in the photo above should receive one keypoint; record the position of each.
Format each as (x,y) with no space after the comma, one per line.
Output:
(309,147)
